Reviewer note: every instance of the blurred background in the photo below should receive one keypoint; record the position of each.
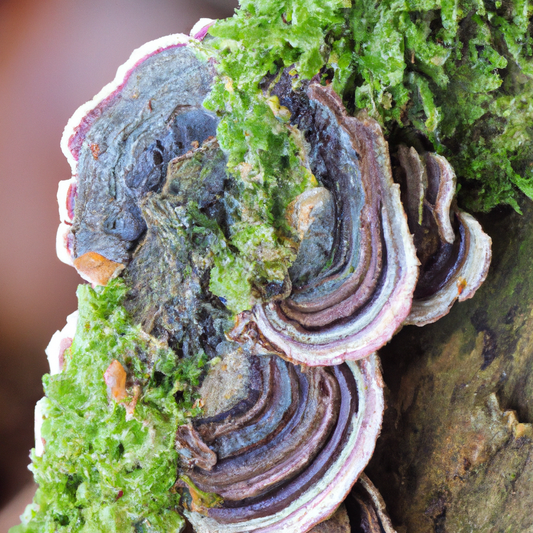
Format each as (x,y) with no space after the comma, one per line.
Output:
(54,56)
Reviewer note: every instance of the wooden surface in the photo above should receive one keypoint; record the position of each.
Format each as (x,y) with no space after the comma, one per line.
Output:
(455,455)
(338,523)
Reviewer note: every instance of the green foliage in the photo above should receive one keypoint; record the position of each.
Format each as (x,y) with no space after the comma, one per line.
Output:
(101,472)
(459,71)
(263,149)
(459,62)
(263,36)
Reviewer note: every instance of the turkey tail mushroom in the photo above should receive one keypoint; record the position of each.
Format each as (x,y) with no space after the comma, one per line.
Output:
(290,463)
(121,143)
(370,514)
(363,291)
(453,250)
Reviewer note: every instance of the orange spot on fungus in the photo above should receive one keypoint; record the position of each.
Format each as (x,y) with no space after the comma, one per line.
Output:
(96,268)
(461,285)
(95,150)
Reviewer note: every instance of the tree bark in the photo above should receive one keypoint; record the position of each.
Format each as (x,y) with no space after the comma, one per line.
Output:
(455,454)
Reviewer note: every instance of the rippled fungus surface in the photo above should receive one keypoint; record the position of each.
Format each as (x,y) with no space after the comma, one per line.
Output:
(255,223)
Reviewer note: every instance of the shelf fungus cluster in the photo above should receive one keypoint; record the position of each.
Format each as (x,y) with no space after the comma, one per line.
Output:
(285,456)
(293,399)
(453,250)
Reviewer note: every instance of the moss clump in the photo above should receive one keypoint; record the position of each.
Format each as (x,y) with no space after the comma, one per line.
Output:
(100,471)
(459,72)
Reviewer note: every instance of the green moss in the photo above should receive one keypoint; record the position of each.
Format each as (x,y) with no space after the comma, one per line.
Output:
(265,160)
(101,472)
(460,72)
(449,76)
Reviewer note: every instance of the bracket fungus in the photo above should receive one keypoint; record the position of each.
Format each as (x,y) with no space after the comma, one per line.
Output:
(291,450)
(119,146)
(370,283)
(363,291)
(293,400)
(454,251)
(371,514)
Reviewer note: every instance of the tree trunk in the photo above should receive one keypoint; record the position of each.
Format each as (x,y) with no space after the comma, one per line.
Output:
(454,454)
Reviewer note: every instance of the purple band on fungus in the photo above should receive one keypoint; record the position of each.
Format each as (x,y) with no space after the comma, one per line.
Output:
(269,461)
(200,29)
(293,486)
(71,200)
(364,292)
(265,420)
(453,250)
(307,469)
(247,410)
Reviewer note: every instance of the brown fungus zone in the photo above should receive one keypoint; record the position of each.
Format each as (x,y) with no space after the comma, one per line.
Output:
(301,419)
